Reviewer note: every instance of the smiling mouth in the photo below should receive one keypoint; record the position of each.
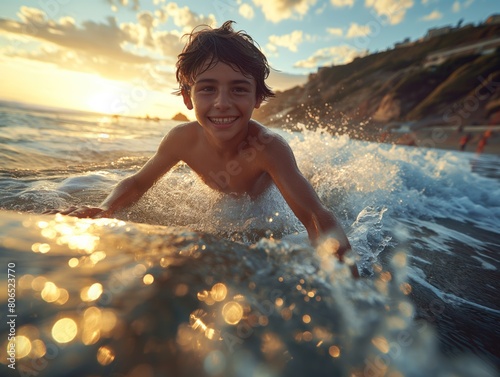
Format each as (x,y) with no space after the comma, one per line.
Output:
(222,121)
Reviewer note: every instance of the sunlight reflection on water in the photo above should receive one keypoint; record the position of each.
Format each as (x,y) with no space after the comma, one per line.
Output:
(116,287)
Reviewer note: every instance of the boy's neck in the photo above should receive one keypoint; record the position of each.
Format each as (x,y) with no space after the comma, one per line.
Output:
(228,148)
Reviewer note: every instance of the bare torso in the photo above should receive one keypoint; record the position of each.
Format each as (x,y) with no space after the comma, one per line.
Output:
(236,172)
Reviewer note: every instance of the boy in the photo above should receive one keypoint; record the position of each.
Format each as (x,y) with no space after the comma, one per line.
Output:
(221,75)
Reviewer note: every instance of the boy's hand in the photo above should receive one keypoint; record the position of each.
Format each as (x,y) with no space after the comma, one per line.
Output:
(331,245)
(80,212)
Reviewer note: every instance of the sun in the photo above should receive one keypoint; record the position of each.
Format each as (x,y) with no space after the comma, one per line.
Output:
(104,102)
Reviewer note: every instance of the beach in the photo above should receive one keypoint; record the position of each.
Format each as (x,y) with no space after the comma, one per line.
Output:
(446,137)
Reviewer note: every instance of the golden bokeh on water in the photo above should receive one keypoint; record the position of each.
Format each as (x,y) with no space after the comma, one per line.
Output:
(405,288)
(50,292)
(399,259)
(97,256)
(38,349)
(232,312)
(105,355)
(218,292)
(42,248)
(91,325)
(91,293)
(38,283)
(73,262)
(381,343)
(334,351)
(212,333)
(195,320)
(23,346)
(385,276)
(64,330)
(202,296)
(148,279)
(307,336)
(63,296)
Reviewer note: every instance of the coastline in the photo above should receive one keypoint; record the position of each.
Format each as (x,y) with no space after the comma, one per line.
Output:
(450,138)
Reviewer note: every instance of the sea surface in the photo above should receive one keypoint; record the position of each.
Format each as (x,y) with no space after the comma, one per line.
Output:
(190,282)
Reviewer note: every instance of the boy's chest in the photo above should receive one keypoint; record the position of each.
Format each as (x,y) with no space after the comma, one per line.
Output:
(238,175)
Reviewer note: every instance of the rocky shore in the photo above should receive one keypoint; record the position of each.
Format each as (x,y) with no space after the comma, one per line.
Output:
(477,139)
(422,94)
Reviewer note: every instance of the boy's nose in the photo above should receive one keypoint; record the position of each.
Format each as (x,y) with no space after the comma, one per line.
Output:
(222,100)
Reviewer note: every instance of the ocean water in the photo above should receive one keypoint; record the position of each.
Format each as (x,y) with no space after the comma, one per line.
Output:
(190,282)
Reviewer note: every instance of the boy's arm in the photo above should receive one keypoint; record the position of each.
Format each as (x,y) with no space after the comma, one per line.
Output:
(132,188)
(299,194)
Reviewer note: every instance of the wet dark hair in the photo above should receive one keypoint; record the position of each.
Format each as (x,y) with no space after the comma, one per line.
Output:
(236,49)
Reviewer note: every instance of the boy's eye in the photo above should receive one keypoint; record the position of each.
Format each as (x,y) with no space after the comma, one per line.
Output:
(240,90)
(206,89)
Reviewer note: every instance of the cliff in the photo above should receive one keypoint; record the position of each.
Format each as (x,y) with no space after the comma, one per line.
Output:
(438,81)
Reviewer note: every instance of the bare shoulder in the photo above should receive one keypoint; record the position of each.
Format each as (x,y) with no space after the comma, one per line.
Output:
(265,135)
(273,144)
(180,137)
(184,131)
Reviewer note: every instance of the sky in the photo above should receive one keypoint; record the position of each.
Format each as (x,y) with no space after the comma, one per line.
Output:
(118,56)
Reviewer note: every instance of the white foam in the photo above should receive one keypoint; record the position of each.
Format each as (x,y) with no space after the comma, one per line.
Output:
(418,276)
(484,264)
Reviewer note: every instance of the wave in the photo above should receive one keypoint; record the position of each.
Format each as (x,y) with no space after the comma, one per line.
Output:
(108,296)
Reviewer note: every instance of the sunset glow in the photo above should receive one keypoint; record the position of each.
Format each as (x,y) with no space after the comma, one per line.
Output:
(103,102)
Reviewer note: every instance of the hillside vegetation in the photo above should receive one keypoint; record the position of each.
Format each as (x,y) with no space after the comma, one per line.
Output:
(392,87)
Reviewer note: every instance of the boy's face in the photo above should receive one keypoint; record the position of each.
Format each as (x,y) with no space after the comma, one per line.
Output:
(223,100)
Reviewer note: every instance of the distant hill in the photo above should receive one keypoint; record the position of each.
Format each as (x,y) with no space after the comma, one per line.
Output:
(401,85)
(180,117)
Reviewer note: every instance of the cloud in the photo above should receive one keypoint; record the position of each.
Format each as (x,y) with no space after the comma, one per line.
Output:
(290,41)
(108,49)
(434,15)
(169,44)
(101,39)
(246,11)
(394,10)
(279,10)
(185,18)
(116,3)
(338,32)
(335,55)
(149,75)
(342,3)
(458,6)
(356,30)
